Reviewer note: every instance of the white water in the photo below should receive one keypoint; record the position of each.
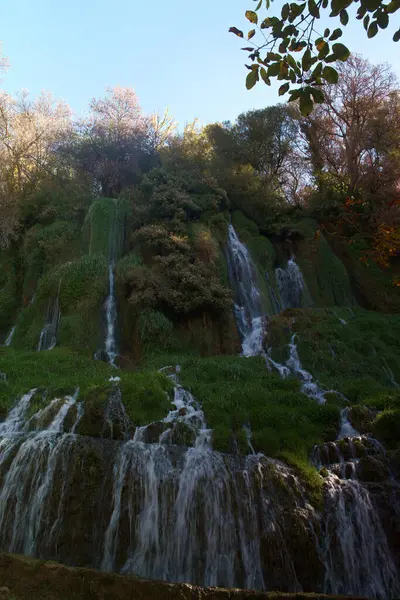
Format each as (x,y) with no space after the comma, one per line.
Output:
(10,337)
(15,420)
(248,307)
(291,285)
(111,318)
(48,335)
(294,367)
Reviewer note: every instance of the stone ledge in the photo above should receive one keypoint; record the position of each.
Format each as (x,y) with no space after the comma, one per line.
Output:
(24,578)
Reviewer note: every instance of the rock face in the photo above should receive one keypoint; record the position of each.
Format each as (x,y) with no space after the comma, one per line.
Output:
(23,578)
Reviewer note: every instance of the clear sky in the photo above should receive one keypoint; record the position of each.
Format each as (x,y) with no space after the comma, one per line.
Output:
(175,53)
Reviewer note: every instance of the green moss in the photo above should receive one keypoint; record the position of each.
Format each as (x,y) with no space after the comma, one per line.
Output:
(45,247)
(80,287)
(309,476)
(326,276)
(386,428)
(9,289)
(105,227)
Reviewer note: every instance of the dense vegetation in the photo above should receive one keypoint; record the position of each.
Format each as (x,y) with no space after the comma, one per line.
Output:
(127,188)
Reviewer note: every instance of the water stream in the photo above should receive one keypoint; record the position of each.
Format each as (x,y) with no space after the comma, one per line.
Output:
(248,303)
(292,287)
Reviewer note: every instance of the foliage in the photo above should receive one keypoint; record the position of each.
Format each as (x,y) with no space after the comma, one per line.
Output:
(296,30)
(155,330)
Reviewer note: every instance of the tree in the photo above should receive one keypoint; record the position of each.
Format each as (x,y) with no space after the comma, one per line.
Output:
(295,31)
(111,145)
(353,133)
(29,131)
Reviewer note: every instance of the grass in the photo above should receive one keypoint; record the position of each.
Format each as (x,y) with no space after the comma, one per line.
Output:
(234,392)
(61,371)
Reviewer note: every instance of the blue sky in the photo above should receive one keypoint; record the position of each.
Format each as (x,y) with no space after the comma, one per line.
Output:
(175,53)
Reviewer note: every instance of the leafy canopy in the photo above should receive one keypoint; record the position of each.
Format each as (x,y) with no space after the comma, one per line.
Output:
(292,50)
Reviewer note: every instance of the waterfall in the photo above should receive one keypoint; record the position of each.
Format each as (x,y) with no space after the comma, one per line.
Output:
(354,547)
(48,335)
(10,336)
(185,512)
(291,285)
(111,318)
(248,305)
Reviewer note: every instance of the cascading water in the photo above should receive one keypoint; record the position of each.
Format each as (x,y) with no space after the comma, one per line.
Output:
(10,336)
(181,512)
(48,335)
(111,315)
(354,547)
(111,318)
(248,306)
(294,367)
(292,287)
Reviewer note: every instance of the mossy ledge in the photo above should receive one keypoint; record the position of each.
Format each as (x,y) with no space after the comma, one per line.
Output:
(22,578)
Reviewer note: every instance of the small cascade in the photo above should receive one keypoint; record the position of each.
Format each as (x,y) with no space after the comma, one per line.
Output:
(48,335)
(10,336)
(294,367)
(15,420)
(248,305)
(80,410)
(56,426)
(249,437)
(291,285)
(116,419)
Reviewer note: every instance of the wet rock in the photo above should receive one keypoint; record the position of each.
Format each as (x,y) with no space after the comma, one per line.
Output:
(361,417)
(371,469)
(183,435)
(152,433)
(5,593)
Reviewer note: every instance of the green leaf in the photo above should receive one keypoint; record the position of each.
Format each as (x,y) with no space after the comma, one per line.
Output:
(366,22)
(313,9)
(371,5)
(372,29)
(273,56)
(251,34)
(296,10)
(251,16)
(336,34)
(295,94)
(236,31)
(283,89)
(248,49)
(344,17)
(330,75)
(274,69)
(323,50)
(318,70)
(341,52)
(383,20)
(252,79)
(285,11)
(318,95)
(264,76)
(327,32)
(259,5)
(306,60)
(393,6)
(396,36)
(306,104)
